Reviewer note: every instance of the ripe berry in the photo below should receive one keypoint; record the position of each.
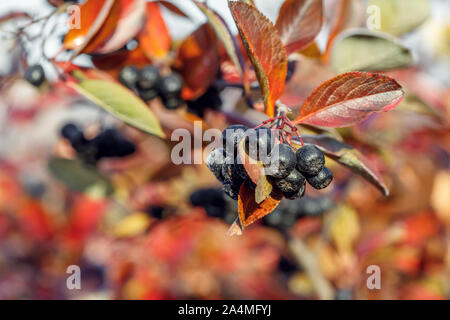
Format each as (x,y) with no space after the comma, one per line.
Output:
(322,179)
(110,143)
(129,76)
(209,100)
(292,183)
(148,78)
(310,160)
(296,195)
(211,199)
(231,189)
(74,134)
(147,83)
(172,103)
(148,94)
(215,161)
(259,143)
(282,161)
(171,85)
(232,135)
(35,75)
(309,206)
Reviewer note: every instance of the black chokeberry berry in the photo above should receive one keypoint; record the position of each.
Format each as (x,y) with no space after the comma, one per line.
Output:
(231,189)
(129,76)
(215,162)
(314,206)
(110,143)
(35,75)
(171,85)
(296,195)
(75,136)
(209,100)
(148,94)
(231,137)
(292,183)
(211,199)
(282,161)
(310,160)
(322,179)
(172,103)
(259,143)
(148,78)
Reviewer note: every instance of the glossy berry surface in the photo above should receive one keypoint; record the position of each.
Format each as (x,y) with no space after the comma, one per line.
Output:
(75,136)
(211,199)
(231,137)
(35,75)
(292,183)
(310,160)
(171,85)
(148,94)
(172,103)
(148,78)
(296,195)
(129,76)
(215,161)
(282,161)
(322,179)
(259,143)
(110,143)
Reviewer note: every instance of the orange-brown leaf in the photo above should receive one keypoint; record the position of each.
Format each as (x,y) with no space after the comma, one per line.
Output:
(251,211)
(130,22)
(265,49)
(200,61)
(98,20)
(350,98)
(155,37)
(299,22)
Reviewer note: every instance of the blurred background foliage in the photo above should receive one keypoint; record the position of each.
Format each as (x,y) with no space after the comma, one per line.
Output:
(135,225)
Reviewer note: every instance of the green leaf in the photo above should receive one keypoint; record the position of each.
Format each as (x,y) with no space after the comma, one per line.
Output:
(223,33)
(122,103)
(349,157)
(79,176)
(398,16)
(365,50)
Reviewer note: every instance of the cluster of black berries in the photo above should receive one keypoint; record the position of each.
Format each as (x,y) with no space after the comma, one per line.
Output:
(109,143)
(287,170)
(150,84)
(209,100)
(224,162)
(35,75)
(288,212)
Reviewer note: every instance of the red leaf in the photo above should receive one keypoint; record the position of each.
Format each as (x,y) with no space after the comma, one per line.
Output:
(265,50)
(350,98)
(114,62)
(200,61)
(299,22)
(155,38)
(98,21)
(251,211)
(131,19)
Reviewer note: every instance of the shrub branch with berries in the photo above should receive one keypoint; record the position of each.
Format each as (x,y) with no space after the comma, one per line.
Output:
(257,166)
